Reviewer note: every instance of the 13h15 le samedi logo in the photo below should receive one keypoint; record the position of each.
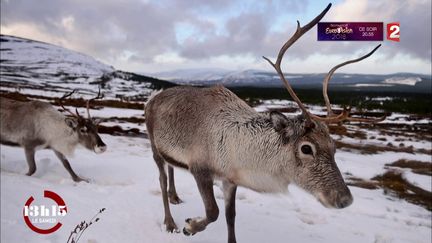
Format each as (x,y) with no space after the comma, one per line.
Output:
(43,216)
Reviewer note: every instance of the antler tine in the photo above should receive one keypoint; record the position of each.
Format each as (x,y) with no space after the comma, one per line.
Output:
(277,66)
(64,108)
(330,74)
(99,96)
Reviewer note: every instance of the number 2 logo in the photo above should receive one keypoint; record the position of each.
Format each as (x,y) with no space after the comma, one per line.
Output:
(393,31)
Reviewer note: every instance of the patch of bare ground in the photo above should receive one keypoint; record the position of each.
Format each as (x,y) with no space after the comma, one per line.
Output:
(416,131)
(394,184)
(344,131)
(118,131)
(78,102)
(374,149)
(418,167)
(285,109)
(131,119)
(359,182)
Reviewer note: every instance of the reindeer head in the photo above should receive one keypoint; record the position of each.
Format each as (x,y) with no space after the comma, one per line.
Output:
(308,135)
(313,150)
(85,128)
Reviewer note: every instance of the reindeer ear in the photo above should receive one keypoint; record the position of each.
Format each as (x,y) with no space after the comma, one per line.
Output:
(278,120)
(72,123)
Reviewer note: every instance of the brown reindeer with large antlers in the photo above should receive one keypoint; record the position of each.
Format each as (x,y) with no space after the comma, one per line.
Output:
(37,125)
(216,135)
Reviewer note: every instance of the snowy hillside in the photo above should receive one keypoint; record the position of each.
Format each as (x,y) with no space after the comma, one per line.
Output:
(28,65)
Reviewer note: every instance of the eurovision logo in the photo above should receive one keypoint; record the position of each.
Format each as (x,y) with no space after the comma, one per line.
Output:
(350,31)
(43,216)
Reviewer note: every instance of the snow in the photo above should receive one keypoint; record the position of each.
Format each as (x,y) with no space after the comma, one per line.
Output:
(411,81)
(129,190)
(372,85)
(35,68)
(59,59)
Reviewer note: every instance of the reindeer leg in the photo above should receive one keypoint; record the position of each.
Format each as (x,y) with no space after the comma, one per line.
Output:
(29,153)
(68,167)
(168,221)
(229,191)
(172,193)
(204,180)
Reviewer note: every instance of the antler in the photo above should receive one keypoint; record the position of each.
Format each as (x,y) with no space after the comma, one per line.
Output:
(325,88)
(76,114)
(331,118)
(277,66)
(99,96)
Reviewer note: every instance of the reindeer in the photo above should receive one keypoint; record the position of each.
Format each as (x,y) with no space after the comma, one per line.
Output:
(217,136)
(37,125)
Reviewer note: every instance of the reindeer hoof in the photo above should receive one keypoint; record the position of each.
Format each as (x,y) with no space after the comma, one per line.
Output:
(187,233)
(174,199)
(192,227)
(171,227)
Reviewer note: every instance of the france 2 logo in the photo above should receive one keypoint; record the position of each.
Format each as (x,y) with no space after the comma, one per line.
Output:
(393,31)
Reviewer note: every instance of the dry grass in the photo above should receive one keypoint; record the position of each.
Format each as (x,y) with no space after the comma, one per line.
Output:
(118,131)
(344,131)
(418,167)
(365,184)
(285,109)
(132,119)
(79,102)
(394,184)
(374,149)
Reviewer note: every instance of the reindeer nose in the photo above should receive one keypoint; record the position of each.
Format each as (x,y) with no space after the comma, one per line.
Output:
(100,149)
(344,201)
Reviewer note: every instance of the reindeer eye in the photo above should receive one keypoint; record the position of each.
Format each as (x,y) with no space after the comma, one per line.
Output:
(83,129)
(306,149)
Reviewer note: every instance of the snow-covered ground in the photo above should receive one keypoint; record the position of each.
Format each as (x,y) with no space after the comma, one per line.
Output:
(124,180)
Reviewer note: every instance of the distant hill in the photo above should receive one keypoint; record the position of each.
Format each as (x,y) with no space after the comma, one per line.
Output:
(35,67)
(397,82)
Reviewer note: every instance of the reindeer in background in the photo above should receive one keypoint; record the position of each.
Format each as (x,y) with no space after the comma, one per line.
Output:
(217,136)
(36,125)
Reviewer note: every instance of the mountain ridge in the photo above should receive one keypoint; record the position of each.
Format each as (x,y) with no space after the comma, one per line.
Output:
(402,81)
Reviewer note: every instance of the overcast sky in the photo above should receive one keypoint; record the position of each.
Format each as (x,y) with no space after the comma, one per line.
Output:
(150,36)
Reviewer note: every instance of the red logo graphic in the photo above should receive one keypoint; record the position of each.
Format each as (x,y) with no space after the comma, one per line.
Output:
(393,31)
(44,214)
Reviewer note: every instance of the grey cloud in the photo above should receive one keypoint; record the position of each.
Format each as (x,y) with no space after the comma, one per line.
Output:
(416,30)
(244,35)
(108,29)
(101,28)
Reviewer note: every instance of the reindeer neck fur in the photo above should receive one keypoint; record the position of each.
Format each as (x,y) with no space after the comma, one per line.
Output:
(255,155)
